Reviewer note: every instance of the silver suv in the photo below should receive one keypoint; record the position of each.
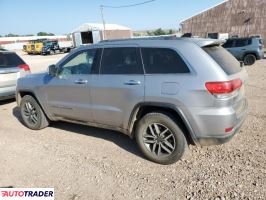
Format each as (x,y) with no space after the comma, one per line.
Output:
(11,68)
(164,93)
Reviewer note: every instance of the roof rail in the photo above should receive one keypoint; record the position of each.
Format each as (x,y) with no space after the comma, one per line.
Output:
(168,37)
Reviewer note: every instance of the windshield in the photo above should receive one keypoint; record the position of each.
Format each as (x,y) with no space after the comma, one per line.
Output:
(226,60)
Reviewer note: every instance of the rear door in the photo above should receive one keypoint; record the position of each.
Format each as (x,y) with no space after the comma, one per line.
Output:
(240,48)
(119,87)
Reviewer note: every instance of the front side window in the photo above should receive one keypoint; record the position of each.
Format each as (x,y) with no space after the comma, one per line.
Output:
(228,44)
(163,61)
(82,63)
(121,60)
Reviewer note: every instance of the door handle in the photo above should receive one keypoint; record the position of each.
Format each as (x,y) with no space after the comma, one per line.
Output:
(81,81)
(243,49)
(132,82)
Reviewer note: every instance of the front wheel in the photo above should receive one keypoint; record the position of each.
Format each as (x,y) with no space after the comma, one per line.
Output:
(52,52)
(32,114)
(160,139)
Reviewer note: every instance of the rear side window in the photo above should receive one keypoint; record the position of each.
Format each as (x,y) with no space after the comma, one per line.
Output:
(227,62)
(242,42)
(10,60)
(163,61)
(121,60)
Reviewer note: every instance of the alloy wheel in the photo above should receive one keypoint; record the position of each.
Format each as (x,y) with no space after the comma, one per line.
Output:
(30,113)
(159,140)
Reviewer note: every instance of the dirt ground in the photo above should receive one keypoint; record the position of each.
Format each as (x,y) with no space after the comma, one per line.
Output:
(84,163)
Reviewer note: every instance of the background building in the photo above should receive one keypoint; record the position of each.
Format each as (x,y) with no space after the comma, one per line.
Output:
(241,18)
(18,42)
(90,33)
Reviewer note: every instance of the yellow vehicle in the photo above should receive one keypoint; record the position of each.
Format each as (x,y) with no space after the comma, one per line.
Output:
(35,46)
(28,48)
(38,47)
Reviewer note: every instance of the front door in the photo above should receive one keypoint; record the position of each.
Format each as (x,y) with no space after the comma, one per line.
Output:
(68,94)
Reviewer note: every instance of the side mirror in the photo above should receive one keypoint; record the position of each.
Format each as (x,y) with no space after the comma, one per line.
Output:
(241,64)
(52,70)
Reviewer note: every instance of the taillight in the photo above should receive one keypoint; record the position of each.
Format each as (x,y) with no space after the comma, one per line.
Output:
(225,87)
(24,67)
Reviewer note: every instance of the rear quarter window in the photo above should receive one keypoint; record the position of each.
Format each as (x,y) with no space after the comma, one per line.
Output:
(224,59)
(163,61)
(10,60)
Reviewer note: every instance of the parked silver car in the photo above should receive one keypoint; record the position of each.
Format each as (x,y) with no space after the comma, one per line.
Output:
(164,93)
(12,67)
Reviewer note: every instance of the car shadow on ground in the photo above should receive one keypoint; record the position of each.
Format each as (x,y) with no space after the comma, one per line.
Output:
(120,139)
(6,186)
(7,101)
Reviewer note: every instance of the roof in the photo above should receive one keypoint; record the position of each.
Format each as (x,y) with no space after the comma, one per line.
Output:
(203,11)
(202,42)
(99,26)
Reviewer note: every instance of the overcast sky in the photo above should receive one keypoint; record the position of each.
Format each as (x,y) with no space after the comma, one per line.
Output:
(62,16)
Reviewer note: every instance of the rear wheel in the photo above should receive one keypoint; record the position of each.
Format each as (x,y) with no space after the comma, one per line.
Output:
(249,59)
(32,114)
(160,138)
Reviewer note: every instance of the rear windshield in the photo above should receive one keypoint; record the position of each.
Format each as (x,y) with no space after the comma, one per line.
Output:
(227,62)
(10,60)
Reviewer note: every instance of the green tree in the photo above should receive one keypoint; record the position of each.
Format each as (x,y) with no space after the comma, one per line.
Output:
(45,34)
(170,32)
(11,35)
(136,34)
(159,31)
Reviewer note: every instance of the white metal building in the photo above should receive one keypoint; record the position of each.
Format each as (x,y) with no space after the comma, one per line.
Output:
(90,33)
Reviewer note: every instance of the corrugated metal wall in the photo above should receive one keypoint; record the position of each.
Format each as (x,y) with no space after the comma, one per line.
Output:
(236,17)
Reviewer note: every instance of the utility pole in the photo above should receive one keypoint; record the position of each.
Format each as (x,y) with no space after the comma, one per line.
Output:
(104,36)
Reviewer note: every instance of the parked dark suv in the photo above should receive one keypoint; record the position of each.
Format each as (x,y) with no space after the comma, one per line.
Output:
(247,50)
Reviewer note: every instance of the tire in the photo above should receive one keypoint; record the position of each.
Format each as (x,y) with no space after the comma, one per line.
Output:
(249,59)
(32,114)
(150,145)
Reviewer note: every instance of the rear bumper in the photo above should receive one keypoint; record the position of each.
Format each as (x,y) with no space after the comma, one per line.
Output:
(214,139)
(208,141)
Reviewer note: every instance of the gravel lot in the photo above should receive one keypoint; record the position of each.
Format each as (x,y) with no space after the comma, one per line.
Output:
(88,163)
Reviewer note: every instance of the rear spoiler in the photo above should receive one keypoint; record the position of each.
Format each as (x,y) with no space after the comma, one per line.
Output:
(202,42)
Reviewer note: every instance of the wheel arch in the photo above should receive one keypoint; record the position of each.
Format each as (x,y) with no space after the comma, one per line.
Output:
(252,53)
(142,109)
(22,93)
